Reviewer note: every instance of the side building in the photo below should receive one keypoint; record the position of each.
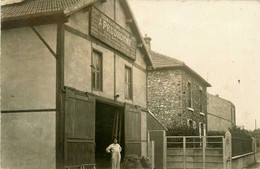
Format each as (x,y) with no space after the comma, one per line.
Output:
(73,77)
(221,113)
(177,95)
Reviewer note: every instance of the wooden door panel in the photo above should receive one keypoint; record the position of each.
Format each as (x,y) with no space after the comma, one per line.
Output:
(80,153)
(79,128)
(132,130)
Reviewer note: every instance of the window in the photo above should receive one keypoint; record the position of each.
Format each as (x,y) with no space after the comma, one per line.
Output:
(201,101)
(202,129)
(190,123)
(189,95)
(97,71)
(128,83)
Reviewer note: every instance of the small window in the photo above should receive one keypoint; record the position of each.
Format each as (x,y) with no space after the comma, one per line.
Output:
(202,129)
(97,71)
(189,96)
(201,101)
(128,83)
(190,123)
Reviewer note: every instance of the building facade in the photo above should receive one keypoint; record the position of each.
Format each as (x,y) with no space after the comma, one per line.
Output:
(176,94)
(73,77)
(220,111)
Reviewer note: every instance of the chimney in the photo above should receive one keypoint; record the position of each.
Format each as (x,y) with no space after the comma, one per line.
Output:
(147,41)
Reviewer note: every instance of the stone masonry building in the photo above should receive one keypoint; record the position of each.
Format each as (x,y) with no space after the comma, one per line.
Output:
(220,111)
(177,95)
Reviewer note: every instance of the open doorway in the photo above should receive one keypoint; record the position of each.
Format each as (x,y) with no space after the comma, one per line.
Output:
(109,124)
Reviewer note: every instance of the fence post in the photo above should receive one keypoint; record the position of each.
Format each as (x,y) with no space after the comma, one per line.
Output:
(254,148)
(204,152)
(224,152)
(228,150)
(165,150)
(184,152)
(152,153)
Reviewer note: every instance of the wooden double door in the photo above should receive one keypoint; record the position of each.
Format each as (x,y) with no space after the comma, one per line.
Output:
(79,138)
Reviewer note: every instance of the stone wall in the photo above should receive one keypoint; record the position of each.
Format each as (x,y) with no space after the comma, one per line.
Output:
(164,95)
(167,97)
(220,112)
(196,87)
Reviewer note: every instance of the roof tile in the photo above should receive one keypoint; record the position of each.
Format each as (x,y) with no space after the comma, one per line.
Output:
(32,7)
(160,60)
(163,61)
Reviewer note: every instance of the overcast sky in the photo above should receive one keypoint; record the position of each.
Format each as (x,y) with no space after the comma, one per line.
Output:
(220,40)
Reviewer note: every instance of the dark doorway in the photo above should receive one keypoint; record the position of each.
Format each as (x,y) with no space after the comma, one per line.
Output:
(109,124)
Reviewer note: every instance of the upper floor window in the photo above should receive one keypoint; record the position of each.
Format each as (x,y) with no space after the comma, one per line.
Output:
(189,96)
(97,71)
(201,101)
(202,129)
(128,83)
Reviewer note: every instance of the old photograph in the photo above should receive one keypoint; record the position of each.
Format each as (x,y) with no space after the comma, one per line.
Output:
(130,84)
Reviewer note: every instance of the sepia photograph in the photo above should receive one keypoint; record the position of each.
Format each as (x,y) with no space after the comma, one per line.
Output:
(130,84)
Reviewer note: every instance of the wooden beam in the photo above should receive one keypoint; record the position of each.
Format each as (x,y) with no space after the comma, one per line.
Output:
(33,21)
(28,110)
(60,97)
(44,42)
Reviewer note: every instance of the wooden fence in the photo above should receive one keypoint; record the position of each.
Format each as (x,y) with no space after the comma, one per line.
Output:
(206,152)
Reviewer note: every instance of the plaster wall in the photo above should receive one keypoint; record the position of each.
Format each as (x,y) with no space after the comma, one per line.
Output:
(218,124)
(220,112)
(243,162)
(77,60)
(121,17)
(138,79)
(28,71)
(28,140)
(107,7)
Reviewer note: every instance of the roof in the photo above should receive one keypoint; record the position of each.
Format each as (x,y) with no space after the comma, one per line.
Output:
(161,61)
(7,2)
(15,9)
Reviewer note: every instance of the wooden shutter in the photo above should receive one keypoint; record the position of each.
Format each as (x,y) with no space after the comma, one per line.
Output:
(132,130)
(79,128)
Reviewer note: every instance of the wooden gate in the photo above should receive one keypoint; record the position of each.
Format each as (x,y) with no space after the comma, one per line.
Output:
(207,152)
(159,140)
(79,129)
(132,130)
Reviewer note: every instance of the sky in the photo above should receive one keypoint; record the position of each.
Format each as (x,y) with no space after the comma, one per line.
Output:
(218,39)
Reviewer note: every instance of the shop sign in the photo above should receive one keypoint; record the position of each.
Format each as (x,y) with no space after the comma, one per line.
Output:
(105,29)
